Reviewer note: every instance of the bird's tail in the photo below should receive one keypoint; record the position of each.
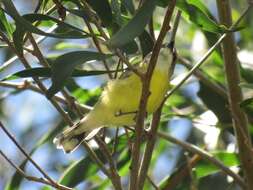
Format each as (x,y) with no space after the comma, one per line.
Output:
(71,138)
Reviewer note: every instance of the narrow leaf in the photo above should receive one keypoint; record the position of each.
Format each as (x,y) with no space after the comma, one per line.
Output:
(215,102)
(103,10)
(5,25)
(198,15)
(65,64)
(23,25)
(134,27)
(71,29)
(72,175)
(247,106)
(204,168)
(46,72)
(146,43)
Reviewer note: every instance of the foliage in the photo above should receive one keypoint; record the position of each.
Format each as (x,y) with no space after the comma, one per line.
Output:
(68,46)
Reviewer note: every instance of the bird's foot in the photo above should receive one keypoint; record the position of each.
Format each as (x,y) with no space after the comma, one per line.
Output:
(121,113)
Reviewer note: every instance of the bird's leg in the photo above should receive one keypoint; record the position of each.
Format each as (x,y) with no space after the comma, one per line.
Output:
(120,113)
(135,117)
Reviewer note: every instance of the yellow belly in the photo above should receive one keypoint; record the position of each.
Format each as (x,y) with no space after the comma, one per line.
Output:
(120,100)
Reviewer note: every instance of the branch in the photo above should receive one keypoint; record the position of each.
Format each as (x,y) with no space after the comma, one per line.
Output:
(202,76)
(32,178)
(71,102)
(175,26)
(181,173)
(155,122)
(12,138)
(26,85)
(240,122)
(95,158)
(95,40)
(207,54)
(115,178)
(101,31)
(149,147)
(139,127)
(204,155)
(21,57)
(38,40)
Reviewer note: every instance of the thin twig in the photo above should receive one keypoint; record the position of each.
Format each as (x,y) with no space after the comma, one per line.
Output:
(207,54)
(95,158)
(202,76)
(103,34)
(12,138)
(26,85)
(115,178)
(32,178)
(204,155)
(144,98)
(21,57)
(239,117)
(154,125)
(152,183)
(96,42)
(149,147)
(38,54)
(94,38)
(173,180)
(115,142)
(38,40)
(175,26)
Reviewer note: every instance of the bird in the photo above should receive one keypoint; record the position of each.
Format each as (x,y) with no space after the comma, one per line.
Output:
(119,101)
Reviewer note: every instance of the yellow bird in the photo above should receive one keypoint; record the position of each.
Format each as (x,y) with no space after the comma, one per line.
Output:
(119,102)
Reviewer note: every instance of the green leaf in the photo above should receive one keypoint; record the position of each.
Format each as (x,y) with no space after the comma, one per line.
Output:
(46,72)
(22,21)
(73,32)
(130,48)
(34,72)
(134,27)
(72,175)
(204,168)
(129,5)
(215,102)
(146,43)
(46,188)
(64,65)
(247,106)
(247,74)
(197,13)
(23,25)
(103,10)
(116,8)
(5,25)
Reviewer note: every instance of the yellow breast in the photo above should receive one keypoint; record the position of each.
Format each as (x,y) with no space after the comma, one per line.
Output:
(121,97)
